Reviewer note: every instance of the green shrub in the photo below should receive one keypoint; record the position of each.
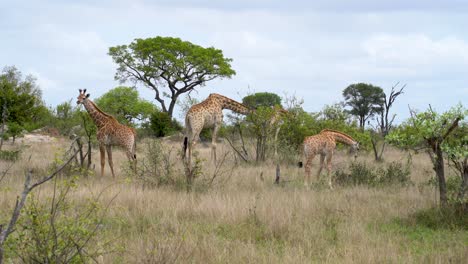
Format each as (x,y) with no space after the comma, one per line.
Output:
(395,173)
(158,165)
(10,155)
(162,125)
(449,217)
(361,173)
(55,230)
(453,184)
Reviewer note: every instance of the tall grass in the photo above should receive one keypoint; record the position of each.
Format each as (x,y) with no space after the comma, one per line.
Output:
(245,218)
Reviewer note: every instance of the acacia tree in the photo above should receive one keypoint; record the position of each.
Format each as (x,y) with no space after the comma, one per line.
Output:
(456,148)
(430,131)
(169,66)
(365,101)
(265,99)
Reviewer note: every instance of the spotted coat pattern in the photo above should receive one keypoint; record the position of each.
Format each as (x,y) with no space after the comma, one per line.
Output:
(208,114)
(324,144)
(110,133)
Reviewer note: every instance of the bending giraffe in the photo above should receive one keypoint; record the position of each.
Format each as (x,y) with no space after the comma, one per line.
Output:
(110,132)
(324,144)
(208,113)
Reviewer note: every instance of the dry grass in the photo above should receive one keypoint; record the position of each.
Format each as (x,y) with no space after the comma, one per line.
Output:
(244,218)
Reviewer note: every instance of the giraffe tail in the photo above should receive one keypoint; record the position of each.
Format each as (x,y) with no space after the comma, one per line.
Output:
(184,151)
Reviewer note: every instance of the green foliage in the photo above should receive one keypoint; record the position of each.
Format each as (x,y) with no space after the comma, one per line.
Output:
(21,96)
(361,173)
(162,125)
(157,168)
(10,155)
(453,187)
(53,230)
(180,65)
(429,125)
(264,99)
(14,130)
(335,112)
(299,124)
(260,127)
(365,100)
(125,104)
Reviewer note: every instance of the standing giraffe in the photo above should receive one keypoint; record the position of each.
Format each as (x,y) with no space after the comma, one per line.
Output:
(208,113)
(110,132)
(324,144)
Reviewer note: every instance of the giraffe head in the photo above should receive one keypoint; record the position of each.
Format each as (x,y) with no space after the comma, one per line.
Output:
(83,96)
(354,149)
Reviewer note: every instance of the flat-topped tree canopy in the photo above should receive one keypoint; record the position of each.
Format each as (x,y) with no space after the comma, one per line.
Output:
(169,66)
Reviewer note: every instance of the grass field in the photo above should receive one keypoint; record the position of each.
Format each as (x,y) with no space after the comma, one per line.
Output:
(244,218)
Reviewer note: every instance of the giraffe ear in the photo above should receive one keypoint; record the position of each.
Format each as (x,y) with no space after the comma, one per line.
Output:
(87,95)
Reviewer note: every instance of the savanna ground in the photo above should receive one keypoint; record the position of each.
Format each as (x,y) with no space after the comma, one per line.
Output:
(242,217)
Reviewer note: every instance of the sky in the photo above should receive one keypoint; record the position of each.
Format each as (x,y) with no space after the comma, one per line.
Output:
(309,49)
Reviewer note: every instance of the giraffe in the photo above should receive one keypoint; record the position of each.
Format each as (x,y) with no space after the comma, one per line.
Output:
(110,132)
(324,144)
(208,114)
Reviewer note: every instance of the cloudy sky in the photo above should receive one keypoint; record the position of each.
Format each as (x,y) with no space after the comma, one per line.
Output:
(310,49)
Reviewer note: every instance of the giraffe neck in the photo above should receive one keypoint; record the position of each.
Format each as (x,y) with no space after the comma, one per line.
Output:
(99,117)
(340,137)
(278,116)
(227,103)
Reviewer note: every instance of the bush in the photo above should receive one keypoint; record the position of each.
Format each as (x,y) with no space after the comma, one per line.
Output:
(9,155)
(162,125)
(441,217)
(453,184)
(158,166)
(54,230)
(361,173)
(395,173)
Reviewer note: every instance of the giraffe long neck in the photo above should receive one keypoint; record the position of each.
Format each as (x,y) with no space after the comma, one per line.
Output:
(228,103)
(341,137)
(99,117)
(278,116)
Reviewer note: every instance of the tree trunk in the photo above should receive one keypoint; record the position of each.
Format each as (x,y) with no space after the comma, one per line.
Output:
(464,183)
(89,153)
(170,111)
(374,148)
(440,172)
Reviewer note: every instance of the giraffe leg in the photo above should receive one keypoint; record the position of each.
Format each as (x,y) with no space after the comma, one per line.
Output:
(329,167)
(276,142)
(109,157)
(103,158)
(213,143)
(322,161)
(308,167)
